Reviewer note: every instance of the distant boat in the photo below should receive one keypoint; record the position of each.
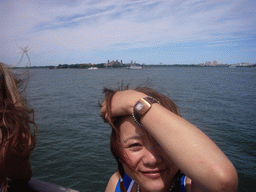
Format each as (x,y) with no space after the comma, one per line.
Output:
(92,68)
(135,67)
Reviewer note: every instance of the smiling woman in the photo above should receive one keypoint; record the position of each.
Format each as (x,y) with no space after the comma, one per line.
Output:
(157,150)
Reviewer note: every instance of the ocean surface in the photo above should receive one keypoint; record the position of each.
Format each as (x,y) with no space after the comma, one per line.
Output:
(73,142)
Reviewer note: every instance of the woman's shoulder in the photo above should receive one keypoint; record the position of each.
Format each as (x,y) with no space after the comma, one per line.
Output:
(112,182)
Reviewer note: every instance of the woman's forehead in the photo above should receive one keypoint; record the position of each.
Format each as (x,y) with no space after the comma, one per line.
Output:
(128,128)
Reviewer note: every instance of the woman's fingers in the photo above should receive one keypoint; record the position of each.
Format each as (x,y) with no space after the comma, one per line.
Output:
(103,108)
(104,111)
(107,117)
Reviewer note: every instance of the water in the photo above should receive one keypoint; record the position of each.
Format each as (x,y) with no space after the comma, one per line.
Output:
(73,142)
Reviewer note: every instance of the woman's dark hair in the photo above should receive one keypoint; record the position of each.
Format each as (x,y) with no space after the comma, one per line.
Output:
(16,121)
(115,122)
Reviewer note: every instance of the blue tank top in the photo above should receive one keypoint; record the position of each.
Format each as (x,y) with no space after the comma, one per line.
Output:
(128,183)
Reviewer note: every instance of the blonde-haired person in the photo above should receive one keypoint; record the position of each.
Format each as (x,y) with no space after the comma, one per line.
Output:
(157,150)
(17,139)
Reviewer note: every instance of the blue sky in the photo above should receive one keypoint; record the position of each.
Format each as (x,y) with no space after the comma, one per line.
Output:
(145,31)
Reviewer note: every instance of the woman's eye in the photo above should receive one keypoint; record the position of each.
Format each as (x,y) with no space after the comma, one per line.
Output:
(135,145)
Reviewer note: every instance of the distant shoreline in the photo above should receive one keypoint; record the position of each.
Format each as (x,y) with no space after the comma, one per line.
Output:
(83,66)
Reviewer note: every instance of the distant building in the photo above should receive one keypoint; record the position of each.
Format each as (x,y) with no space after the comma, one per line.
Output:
(209,63)
(113,63)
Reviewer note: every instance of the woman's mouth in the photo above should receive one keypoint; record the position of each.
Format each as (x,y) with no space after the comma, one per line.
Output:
(154,174)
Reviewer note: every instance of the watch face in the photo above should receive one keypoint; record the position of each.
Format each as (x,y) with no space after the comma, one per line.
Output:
(139,106)
(142,106)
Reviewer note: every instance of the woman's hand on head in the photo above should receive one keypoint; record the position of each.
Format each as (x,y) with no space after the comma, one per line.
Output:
(122,103)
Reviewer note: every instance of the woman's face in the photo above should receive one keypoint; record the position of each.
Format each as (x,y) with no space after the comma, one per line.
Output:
(147,164)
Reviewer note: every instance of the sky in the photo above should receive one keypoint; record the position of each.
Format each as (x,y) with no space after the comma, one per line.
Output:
(146,31)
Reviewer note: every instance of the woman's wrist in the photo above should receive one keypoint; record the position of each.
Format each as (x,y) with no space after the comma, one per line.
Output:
(136,99)
(123,102)
(142,107)
(129,99)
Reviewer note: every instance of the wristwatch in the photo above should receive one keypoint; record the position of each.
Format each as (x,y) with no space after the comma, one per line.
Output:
(142,107)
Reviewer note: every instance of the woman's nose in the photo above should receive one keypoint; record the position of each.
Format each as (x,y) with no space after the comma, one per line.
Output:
(151,157)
